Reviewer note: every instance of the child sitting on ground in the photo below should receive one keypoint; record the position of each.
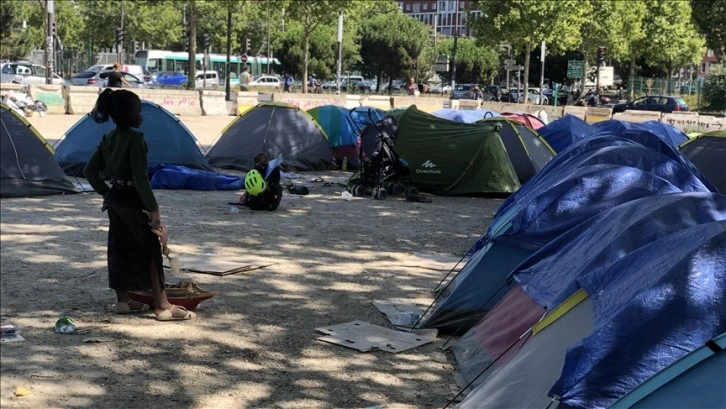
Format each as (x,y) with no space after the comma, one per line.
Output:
(262,185)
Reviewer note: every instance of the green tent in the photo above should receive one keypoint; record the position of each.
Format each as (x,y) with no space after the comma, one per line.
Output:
(493,156)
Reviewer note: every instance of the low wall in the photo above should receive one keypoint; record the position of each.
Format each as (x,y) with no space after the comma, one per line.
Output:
(594,114)
(213,103)
(80,100)
(580,112)
(694,122)
(246,100)
(178,102)
(422,103)
(50,95)
(309,101)
(383,102)
(637,116)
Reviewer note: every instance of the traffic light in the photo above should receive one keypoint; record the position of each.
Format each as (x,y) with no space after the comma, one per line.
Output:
(119,35)
(246,50)
(205,41)
(53,31)
(186,35)
(135,46)
(601,54)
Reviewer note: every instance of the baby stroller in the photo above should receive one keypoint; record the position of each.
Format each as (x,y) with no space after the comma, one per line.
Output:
(381,171)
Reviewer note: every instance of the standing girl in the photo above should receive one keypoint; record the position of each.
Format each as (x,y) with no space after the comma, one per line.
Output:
(134,249)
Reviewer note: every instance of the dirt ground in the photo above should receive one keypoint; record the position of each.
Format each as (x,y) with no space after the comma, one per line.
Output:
(254,345)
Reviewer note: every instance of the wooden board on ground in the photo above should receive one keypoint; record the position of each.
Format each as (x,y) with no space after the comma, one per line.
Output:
(434,262)
(364,337)
(219,265)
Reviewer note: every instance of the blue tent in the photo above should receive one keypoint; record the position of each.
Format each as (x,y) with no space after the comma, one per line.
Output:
(564,197)
(565,131)
(169,141)
(667,132)
(650,308)
(645,311)
(694,381)
(585,152)
(342,132)
(463,115)
(365,115)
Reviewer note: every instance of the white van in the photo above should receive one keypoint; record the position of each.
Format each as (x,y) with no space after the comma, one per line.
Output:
(209,79)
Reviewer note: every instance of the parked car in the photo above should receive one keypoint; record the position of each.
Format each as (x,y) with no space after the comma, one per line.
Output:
(206,79)
(100,79)
(466,91)
(266,81)
(23,72)
(170,79)
(659,103)
(356,85)
(517,95)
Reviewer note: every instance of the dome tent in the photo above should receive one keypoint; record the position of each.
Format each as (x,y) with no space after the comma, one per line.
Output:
(278,129)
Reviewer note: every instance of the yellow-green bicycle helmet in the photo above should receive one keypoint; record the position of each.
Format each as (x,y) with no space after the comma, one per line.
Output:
(255,183)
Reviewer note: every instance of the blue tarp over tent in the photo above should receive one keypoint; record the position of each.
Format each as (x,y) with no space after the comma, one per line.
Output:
(365,115)
(181,177)
(169,141)
(566,131)
(672,290)
(670,134)
(586,152)
(464,116)
(567,195)
(337,123)
(550,275)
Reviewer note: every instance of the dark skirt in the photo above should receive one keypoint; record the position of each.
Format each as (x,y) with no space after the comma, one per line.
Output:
(132,247)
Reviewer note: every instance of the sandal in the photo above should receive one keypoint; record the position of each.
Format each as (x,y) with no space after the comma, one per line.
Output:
(123,307)
(175,313)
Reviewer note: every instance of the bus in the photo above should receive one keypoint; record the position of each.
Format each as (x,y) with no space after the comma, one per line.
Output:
(178,61)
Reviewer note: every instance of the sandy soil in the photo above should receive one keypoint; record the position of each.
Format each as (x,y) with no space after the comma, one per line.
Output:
(253,346)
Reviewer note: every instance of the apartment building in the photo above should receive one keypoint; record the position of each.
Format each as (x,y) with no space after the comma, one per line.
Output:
(445,16)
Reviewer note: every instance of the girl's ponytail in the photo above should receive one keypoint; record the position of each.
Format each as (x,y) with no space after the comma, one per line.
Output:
(102,109)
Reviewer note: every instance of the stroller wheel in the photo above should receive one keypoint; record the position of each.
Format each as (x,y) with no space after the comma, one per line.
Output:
(397,189)
(359,190)
(389,186)
(381,194)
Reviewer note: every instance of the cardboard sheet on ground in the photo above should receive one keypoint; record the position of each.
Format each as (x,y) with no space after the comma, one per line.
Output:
(216,264)
(434,262)
(392,307)
(364,336)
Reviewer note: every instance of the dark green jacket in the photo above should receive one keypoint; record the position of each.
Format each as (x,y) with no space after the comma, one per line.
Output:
(122,155)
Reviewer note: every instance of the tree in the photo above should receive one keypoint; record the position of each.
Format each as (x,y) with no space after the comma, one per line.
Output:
(525,24)
(312,14)
(14,41)
(671,40)
(710,19)
(714,90)
(475,62)
(391,44)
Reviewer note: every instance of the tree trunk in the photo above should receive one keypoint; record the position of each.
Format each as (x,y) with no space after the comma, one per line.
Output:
(306,58)
(192,44)
(527,52)
(632,77)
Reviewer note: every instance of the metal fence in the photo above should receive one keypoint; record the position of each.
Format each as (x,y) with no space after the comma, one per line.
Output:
(642,86)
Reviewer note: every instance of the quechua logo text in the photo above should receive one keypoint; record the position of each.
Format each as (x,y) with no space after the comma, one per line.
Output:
(428,167)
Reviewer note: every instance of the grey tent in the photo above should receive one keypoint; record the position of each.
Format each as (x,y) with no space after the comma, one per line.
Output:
(28,166)
(708,152)
(278,129)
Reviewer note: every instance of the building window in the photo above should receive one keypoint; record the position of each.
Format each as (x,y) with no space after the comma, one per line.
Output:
(703,67)
(408,7)
(416,7)
(425,6)
(709,53)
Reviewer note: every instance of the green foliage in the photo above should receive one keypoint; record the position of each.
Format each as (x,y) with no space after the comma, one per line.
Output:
(475,62)
(391,43)
(14,41)
(710,19)
(525,24)
(671,39)
(714,90)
